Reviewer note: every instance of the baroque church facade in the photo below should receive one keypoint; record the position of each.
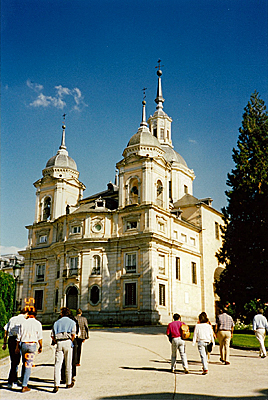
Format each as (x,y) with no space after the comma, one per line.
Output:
(135,253)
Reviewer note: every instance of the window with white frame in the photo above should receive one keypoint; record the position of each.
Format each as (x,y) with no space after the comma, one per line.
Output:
(161,264)
(76,229)
(130,263)
(162,295)
(130,294)
(40,272)
(96,268)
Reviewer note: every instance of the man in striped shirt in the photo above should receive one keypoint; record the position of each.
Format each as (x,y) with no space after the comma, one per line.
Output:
(224,330)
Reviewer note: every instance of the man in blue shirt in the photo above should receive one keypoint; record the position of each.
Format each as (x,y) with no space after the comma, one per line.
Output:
(260,324)
(63,333)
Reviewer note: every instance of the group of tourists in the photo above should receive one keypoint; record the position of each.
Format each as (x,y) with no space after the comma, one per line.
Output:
(23,334)
(205,336)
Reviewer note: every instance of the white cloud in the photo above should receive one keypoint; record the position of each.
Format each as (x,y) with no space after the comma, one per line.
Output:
(34,86)
(4,250)
(193,141)
(60,98)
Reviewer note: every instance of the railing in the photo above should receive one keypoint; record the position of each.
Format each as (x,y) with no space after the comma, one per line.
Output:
(70,272)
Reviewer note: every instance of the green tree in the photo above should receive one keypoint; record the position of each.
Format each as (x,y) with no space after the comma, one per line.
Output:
(3,317)
(7,288)
(245,247)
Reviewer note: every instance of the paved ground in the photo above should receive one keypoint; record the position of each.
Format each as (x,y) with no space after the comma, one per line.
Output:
(135,364)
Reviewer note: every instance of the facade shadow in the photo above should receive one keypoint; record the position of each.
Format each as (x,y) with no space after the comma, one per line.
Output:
(261,395)
(144,330)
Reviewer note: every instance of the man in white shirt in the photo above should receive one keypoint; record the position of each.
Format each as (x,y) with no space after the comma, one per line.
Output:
(30,333)
(10,338)
(260,324)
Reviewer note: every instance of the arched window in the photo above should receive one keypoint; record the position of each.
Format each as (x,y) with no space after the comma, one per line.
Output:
(47,209)
(96,265)
(94,295)
(159,193)
(72,298)
(134,191)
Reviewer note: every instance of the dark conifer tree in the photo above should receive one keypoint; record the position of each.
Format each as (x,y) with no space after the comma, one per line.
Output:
(245,234)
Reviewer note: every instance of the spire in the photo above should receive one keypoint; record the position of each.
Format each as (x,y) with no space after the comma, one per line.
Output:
(62,146)
(143,121)
(159,97)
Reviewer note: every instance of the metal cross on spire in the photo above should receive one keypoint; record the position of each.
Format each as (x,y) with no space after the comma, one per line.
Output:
(144,94)
(64,115)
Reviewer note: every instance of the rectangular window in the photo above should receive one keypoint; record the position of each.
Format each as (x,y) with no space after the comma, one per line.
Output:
(162,133)
(56,297)
(155,132)
(76,229)
(194,276)
(161,226)
(130,263)
(217,230)
(161,264)
(192,241)
(185,189)
(40,272)
(183,238)
(73,266)
(178,268)
(170,189)
(130,294)
(38,297)
(162,295)
(132,224)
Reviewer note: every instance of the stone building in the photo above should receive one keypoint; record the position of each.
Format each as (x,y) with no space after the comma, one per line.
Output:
(135,253)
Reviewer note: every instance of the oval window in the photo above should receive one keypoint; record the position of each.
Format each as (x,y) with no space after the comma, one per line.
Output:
(94,296)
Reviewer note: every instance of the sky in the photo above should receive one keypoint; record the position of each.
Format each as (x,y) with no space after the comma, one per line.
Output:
(90,59)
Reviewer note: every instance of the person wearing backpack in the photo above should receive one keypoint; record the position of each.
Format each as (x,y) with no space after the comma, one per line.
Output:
(174,333)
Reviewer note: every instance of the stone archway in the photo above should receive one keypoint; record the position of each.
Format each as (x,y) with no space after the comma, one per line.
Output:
(72,298)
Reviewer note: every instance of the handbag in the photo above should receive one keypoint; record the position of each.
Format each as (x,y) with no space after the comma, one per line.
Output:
(209,347)
(185,331)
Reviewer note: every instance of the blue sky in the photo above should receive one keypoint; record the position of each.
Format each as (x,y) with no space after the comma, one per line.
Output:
(90,59)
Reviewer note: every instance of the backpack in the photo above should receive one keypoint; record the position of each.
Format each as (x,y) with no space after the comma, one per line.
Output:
(185,331)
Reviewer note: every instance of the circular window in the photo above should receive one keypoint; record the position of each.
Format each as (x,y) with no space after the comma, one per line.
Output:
(97,227)
(94,295)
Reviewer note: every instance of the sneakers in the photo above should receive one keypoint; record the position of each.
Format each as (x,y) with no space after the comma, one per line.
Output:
(186,371)
(205,372)
(172,369)
(227,363)
(70,386)
(25,389)
(56,389)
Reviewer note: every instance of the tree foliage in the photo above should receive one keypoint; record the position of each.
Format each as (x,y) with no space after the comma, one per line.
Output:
(245,234)
(3,317)
(7,288)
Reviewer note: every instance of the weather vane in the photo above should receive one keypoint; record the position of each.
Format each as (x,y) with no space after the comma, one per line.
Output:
(64,115)
(159,65)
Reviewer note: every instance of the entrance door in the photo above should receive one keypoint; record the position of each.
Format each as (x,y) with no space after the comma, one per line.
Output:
(72,298)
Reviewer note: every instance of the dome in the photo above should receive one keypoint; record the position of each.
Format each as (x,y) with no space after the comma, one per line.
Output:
(144,137)
(61,159)
(172,155)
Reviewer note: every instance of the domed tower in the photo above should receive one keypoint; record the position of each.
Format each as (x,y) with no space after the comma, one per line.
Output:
(60,188)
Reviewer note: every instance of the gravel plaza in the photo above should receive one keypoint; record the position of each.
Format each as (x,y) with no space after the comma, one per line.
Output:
(134,363)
